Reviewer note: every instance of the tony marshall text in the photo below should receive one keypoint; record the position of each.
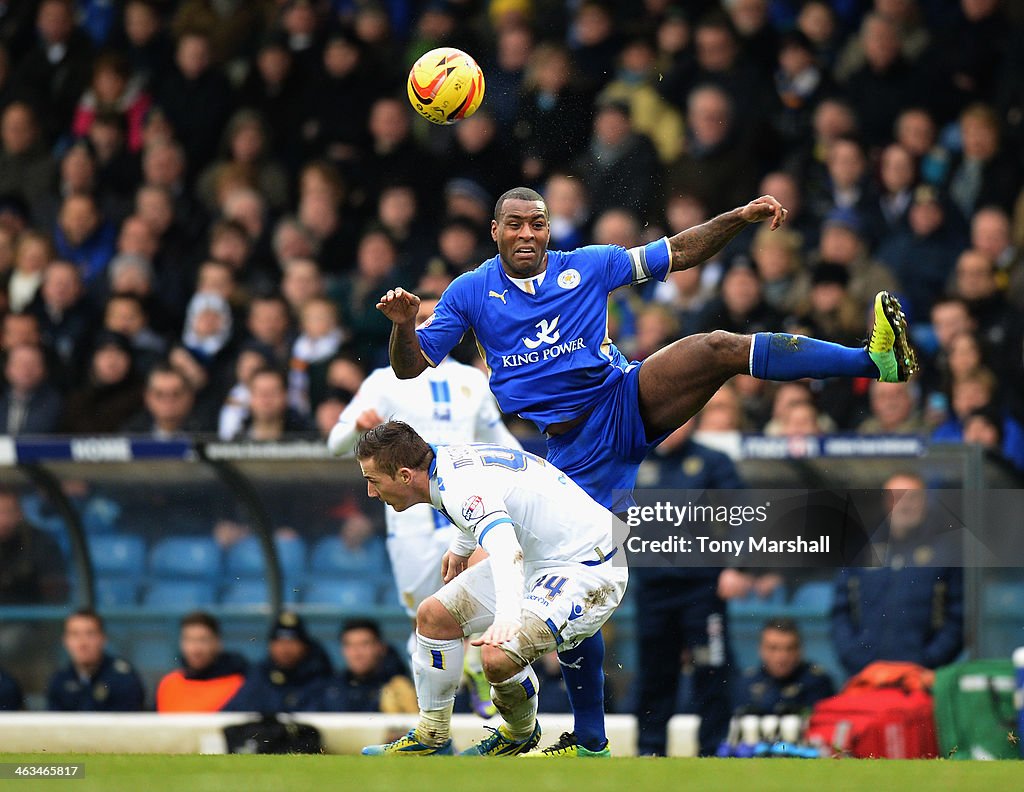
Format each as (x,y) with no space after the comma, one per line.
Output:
(735,547)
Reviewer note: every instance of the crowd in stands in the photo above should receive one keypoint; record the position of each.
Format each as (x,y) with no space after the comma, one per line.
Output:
(195,195)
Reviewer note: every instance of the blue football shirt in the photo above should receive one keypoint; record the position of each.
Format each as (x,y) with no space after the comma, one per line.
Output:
(548,353)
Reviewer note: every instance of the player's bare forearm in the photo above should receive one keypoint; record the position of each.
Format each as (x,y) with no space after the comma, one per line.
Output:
(406,355)
(696,245)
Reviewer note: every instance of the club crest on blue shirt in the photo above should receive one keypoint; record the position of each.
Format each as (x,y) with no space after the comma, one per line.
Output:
(569,279)
(473,508)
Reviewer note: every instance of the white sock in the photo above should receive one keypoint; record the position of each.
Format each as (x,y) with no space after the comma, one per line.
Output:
(437,669)
(516,700)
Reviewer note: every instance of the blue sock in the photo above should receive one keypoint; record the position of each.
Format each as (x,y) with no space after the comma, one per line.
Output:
(583,672)
(783,357)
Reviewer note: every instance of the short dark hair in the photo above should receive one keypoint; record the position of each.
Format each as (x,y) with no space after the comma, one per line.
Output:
(394,445)
(87,613)
(201,619)
(517,193)
(360,624)
(167,368)
(782,624)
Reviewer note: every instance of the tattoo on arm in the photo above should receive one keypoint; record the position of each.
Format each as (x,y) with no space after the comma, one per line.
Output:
(696,245)
(406,355)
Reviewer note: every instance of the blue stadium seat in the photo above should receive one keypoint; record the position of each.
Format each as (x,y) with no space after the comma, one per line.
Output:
(245,559)
(116,592)
(180,594)
(814,597)
(345,593)
(118,555)
(330,556)
(245,592)
(291,553)
(100,515)
(758,607)
(1004,599)
(196,558)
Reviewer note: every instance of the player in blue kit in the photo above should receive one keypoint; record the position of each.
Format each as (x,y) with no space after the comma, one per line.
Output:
(541,320)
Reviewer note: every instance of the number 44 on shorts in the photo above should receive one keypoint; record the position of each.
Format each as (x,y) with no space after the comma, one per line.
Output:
(552,583)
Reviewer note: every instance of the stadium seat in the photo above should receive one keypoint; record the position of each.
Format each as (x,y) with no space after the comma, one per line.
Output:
(118,555)
(196,558)
(330,556)
(758,607)
(180,594)
(115,592)
(291,553)
(245,592)
(344,593)
(814,598)
(245,559)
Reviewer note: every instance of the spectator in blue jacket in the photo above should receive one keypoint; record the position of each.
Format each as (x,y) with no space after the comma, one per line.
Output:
(911,607)
(374,679)
(292,678)
(94,681)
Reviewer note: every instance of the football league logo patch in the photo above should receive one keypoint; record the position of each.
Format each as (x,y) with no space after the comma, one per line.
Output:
(569,279)
(426,323)
(473,508)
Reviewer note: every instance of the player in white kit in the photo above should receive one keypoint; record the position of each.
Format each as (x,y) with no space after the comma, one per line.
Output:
(548,582)
(448,404)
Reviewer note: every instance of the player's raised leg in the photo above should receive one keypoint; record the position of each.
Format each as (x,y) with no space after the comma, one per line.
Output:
(677,381)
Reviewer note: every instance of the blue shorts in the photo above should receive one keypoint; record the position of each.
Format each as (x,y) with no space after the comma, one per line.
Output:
(604,452)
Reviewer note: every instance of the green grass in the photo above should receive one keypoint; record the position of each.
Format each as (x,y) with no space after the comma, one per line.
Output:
(146,773)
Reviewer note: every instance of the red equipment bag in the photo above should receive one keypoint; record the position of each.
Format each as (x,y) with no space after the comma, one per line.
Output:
(888,723)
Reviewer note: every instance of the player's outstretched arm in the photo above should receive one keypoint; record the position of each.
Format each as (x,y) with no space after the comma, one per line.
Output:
(696,245)
(400,307)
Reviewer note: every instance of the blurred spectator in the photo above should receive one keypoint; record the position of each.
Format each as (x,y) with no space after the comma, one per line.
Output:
(195,82)
(230,27)
(147,45)
(274,90)
(717,165)
(302,282)
(65,320)
(269,325)
(356,294)
(757,37)
(480,154)
(800,83)
(270,417)
(94,681)
(125,313)
(569,211)
(893,410)
(983,173)
(784,283)
(886,82)
(208,677)
(10,693)
(252,357)
(923,257)
(817,20)
(374,679)
(168,401)
(897,177)
(829,311)
(112,393)
(911,607)
(635,85)
(595,42)
(394,155)
(29,405)
(505,75)
(338,101)
(656,326)
(990,234)
(553,98)
(245,146)
(741,308)
(32,254)
(322,196)
(803,420)
(26,169)
(56,69)
(292,678)
(907,19)
(785,683)
(113,90)
(723,412)
(320,339)
(31,564)
(84,237)
(846,186)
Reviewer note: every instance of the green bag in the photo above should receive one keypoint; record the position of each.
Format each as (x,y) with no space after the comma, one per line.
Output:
(975,716)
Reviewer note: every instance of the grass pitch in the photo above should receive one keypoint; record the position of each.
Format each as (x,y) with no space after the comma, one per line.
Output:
(148,773)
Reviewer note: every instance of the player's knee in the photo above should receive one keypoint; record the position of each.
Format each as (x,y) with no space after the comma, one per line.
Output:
(497,665)
(434,621)
(724,345)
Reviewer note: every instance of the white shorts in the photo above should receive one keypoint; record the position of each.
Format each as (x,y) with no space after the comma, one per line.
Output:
(563,604)
(416,544)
